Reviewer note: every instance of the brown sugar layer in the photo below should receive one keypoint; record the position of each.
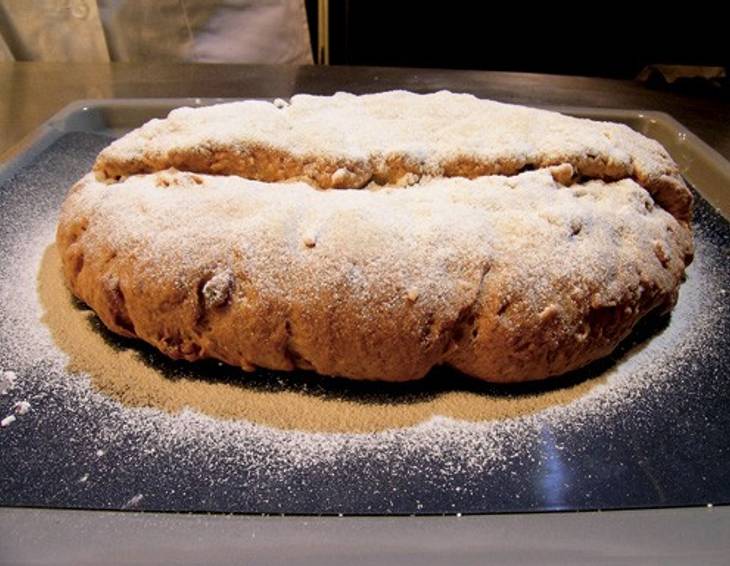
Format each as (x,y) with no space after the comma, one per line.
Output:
(503,278)
(393,138)
(139,377)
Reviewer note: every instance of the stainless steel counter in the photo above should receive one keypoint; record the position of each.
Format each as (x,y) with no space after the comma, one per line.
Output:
(667,537)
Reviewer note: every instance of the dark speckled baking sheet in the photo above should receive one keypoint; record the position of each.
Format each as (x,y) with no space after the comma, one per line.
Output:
(666,444)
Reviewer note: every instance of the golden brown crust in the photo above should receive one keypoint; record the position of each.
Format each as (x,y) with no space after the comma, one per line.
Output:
(347,142)
(449,254)
(506,279)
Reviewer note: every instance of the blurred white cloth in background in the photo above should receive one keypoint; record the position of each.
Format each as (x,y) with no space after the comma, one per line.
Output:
(235,31)
(5,53)
(53,30)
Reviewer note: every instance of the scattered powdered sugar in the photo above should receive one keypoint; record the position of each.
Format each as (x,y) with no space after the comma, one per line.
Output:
(458,447)
(7,421)
(21,407)
(133,502)
(7,382)
(151,458)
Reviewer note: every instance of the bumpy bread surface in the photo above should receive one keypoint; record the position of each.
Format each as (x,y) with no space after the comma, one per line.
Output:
(348,141)
(503,278)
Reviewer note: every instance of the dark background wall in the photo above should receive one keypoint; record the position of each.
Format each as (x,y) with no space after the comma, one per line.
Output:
(610,39)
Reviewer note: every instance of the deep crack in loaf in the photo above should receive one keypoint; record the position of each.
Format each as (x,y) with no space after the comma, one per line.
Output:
(452,250)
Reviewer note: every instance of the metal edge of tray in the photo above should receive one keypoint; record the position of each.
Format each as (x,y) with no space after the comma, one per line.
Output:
(703,167)
(666,536)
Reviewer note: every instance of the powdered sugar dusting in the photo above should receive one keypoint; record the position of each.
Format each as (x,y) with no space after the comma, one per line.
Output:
(7,382)
(7,421)
(466,447)
(353,259)
(439,465)
(431,129)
